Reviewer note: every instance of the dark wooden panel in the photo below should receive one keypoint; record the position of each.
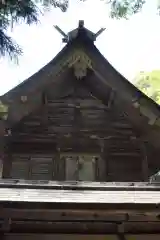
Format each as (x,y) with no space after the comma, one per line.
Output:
(61,169)
(20,167)
(41,168)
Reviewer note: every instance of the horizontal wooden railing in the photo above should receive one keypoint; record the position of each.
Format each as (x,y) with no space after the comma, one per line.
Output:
(45,184)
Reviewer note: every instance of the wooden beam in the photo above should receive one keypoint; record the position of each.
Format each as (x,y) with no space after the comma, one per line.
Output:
(63,215)
(87,227)
(125,215)
(62,227)
(121,231)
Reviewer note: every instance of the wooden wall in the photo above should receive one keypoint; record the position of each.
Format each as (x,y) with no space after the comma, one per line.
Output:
(75,123)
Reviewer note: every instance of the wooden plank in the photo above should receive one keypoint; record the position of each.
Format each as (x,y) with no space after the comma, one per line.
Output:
(63,215)
(65,227)
(106,186)
(126,215)
(63,236)
(79,196)
(142,227)
(22,226)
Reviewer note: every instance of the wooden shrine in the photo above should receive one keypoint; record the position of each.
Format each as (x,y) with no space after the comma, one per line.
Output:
(78,132)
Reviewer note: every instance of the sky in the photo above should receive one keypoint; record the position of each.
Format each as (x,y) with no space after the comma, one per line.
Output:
(130,45)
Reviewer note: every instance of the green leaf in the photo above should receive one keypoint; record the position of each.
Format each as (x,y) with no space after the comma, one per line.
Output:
(149,83)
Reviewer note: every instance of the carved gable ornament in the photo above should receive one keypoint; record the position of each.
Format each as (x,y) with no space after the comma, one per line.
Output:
(80,62)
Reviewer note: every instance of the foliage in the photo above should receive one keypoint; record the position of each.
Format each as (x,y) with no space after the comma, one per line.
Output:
(125,8)
(12,11)
(149,83)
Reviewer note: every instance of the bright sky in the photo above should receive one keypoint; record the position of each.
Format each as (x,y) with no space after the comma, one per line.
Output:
(129,45)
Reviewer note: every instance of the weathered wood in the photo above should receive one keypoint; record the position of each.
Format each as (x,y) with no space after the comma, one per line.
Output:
(87,227)
(64,128)
(80,196)
(74,115)
(80,215)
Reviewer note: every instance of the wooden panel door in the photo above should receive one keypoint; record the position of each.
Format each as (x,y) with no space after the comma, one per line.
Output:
(41,168)
(71,168)
(86,168)
(20,167)
(80,167)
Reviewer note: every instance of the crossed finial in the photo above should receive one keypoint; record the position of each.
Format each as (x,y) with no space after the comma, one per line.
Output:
(68,37)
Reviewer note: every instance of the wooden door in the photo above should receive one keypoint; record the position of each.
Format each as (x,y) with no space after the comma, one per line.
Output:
(41,168)
(20,167)
(71,168)
(86,168)
(80,167)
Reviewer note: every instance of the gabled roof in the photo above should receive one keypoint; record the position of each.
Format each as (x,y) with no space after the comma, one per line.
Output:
(138,108)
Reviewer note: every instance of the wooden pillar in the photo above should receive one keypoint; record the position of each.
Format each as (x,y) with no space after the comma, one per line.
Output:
(106,154)
(2,145)
(120,230)
(60,162)
(102,176)
(7,162)
(56,164)
(145,170)
(1,155)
